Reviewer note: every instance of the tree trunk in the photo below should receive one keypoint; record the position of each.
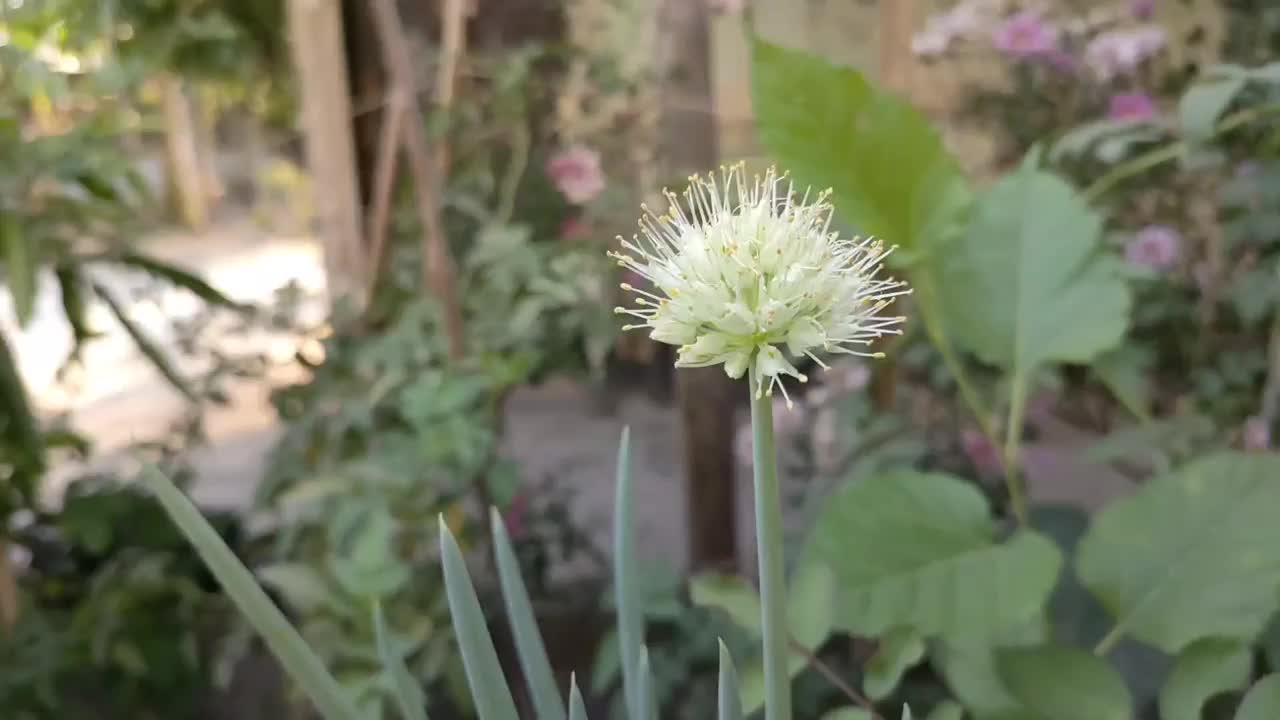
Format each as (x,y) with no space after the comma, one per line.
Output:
(315,28)
(706,395)
(185,173)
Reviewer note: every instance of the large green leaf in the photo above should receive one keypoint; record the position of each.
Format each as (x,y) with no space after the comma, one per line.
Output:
(888,171)
(1056,682)
(1026,283)
(1263,700)
(1206,668)
(919,550)
(1191,555)
(1204,102)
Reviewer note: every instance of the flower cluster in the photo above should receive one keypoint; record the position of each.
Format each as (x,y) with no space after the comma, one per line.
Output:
(1116,53)
(742,268)
(577,174)
(1155,247)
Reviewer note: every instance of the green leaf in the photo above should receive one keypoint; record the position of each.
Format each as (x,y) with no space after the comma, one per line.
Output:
(409,696)
(899,649)
(1026,284)
(1203,103)
(947,710)
(1270,642)
(971,673)
(146,345)
(1062,683)
(729,705)
(810,604)
(286,644)
(529,645)
(1263,701)
(1192,554)
(1204,669)
(888,170)
(300,584)
(19,429)
(577,708)
(729,593)
(20,266)
(630,612)
(180,277)
(489,690)
(71,287)
(1124,372)
(919,550)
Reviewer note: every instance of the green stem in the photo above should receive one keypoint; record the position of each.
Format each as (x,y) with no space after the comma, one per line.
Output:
(1108,642)
(949,358)
(1012,451)
(777,679)
(1172,151)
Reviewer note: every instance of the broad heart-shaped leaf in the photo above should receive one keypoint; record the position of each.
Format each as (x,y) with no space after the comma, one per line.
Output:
(1263,700)
(888,171)
(1078,619)
(1026,283)
(1206,668)
(1203,103)
(1192,554)
(919,550)
(1056,682)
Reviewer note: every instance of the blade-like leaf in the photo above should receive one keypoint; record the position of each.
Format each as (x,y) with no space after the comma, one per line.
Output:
(146,345)
(409,695)
(1063,683)
(18,423)
(899,649)
(1025,284)
(182,278)
(928,559)
(1204,669)
(284,641)
(729,706)
(529,645)
(630,623)
(489,690)
(646,707)
(577,708)
(1192,554)
(71,286)
(18,257)
(1263,700)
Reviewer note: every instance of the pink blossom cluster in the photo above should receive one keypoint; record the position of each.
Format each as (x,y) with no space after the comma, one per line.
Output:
(1116,53)
(1155,247)
(577,174)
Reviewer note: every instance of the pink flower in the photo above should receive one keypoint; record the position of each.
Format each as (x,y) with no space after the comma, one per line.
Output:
(1143,9)
(1062,61)
(1025,35)
(575,228)
(1119,52)
(1155,247)
(1131,106)
(1256,434)
(982,453)
(576,173)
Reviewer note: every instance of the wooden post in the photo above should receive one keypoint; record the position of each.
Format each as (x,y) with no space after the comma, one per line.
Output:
(186,176)
(706,395)
(315,31)
(438,265)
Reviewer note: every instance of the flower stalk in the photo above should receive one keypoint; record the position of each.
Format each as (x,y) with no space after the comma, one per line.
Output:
(773,589)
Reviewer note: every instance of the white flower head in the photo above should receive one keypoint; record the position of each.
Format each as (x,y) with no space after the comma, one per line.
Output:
(741,269)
